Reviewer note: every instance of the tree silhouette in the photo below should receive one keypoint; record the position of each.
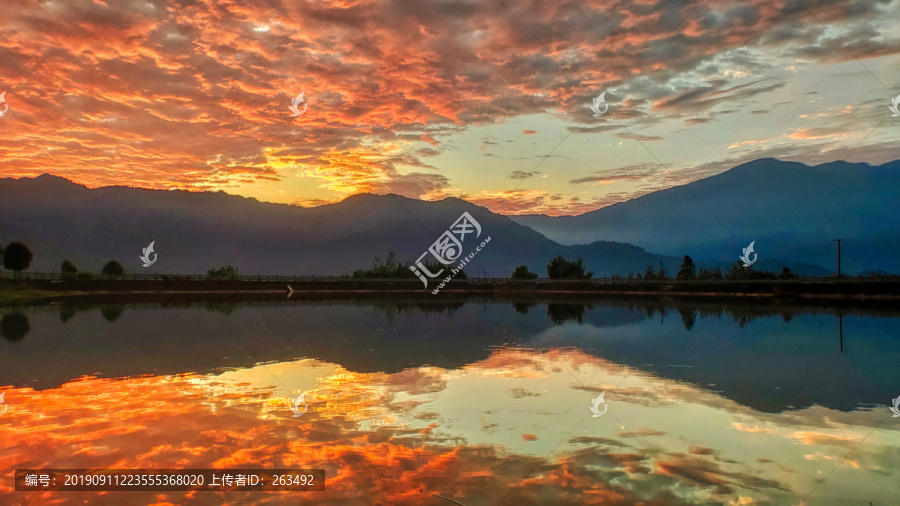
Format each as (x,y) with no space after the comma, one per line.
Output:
(392,269)
(66,313)
(560,268)
(688,316)
(687,270)
(13,327)
(522,273)
(113,268)
(523,307)
(738,271)
(560,313)
(710,274)
(662,273)
(17,257)
(68,269)
(111,313)
(227,272)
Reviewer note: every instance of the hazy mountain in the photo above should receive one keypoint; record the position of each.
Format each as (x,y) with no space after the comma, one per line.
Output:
(194,231)
(792,211)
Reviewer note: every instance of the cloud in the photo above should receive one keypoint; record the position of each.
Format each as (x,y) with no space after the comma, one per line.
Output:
(636,137)
(817,133)
(706,97)
(595,129)
(196,96)
(627,173)
(518,174)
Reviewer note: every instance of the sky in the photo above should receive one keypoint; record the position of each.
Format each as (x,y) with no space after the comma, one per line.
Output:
(484,100)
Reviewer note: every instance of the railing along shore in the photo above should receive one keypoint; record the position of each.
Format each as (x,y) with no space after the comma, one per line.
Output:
(609,280)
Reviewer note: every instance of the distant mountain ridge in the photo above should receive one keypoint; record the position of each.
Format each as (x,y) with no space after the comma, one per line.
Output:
(793,211)
(195,231)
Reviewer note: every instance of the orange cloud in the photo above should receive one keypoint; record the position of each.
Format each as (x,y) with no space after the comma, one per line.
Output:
(196,97)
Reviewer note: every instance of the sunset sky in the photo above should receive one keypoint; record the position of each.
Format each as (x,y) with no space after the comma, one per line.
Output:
(484,100)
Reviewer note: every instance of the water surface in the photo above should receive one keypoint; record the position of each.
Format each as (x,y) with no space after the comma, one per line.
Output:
(478,401)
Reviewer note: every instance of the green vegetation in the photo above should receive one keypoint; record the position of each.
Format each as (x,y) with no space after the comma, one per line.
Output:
(736,271)
(390,268)
(113,269)
(560,268)
(710,274)
(523,274)
(786,274)
(227,272)
(68,270)
(661,274)
(687,270)
(17,257)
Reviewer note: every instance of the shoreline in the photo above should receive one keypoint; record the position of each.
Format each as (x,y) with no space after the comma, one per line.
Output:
(857,290)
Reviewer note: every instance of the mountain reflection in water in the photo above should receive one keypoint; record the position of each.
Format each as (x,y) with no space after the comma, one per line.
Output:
(480,402)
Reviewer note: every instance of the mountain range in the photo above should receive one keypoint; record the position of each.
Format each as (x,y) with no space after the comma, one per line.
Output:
(792,211)
(195,231)
(711,220)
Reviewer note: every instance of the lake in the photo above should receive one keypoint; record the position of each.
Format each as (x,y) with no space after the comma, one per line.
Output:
(477,401)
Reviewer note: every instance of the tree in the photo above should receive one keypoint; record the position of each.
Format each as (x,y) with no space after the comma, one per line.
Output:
(66,312)
(786,273)
(393,269)
(14,326)
(649,274)
(17,257)
(523,274)
(227,272)
(688,316)
(560,313)
(687,270)
(387,269)
(390,264)
(738,271)
(710,274)
(523,307)
(560,268)
(68,269)
(662,273)
(113,268)
(111,313)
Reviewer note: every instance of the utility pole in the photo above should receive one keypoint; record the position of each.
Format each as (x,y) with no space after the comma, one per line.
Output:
(839,255)
(841,329)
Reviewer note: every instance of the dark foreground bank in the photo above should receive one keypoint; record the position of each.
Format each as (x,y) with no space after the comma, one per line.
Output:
(832,287)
